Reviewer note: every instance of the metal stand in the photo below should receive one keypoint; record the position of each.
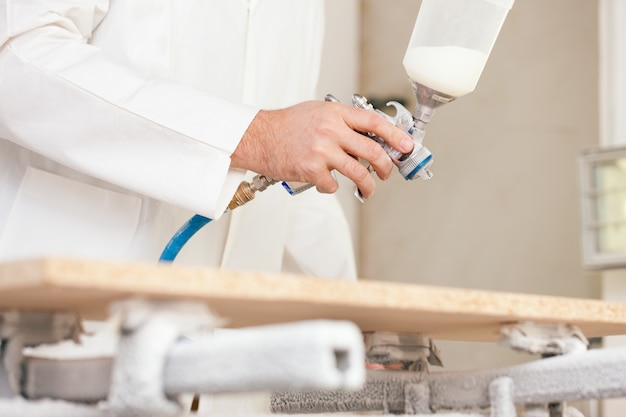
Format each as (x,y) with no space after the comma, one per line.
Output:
(164,350)
(568,371)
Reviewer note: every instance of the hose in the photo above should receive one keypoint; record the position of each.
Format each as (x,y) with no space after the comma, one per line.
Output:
(245,192)
(182,235)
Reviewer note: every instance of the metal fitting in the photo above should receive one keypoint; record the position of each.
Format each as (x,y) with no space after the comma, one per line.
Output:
(246,190)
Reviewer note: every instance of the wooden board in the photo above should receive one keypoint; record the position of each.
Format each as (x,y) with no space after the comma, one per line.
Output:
(247,299)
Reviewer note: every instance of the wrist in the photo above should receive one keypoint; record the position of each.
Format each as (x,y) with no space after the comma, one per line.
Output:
(250,153)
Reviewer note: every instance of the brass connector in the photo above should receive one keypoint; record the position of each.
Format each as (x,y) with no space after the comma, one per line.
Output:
(246,190)
(243,194)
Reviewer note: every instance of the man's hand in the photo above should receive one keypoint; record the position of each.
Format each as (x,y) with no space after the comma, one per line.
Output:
(307,141)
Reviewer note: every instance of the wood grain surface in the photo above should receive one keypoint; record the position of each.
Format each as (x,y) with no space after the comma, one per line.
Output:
(247,299)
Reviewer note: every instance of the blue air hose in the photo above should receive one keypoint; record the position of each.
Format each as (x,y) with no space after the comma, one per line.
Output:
(245,192)
(181,237)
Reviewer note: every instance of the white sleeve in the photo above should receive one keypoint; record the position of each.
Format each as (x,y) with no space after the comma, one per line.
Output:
(62,98)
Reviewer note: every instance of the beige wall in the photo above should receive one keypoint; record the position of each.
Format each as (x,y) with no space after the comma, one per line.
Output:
(502,210)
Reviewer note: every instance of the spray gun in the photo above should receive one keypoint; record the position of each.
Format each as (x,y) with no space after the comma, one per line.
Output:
(411,165)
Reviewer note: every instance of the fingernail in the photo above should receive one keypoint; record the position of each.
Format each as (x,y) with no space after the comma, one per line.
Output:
(406,144)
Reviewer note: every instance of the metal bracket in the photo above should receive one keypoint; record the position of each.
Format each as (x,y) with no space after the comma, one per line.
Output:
(544,339)
(19,329)
(162,350)
(414,351)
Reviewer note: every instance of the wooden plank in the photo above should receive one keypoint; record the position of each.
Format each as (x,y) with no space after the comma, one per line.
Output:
(247,299)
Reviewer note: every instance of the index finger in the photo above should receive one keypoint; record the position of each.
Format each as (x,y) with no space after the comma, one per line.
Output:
(368,121)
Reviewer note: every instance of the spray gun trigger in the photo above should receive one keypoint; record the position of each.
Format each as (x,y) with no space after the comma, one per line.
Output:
(358,195)
(357,192)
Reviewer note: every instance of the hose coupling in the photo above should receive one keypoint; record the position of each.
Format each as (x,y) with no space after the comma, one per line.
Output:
(246,190)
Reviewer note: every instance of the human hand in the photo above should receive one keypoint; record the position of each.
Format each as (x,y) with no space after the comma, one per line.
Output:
(307,141)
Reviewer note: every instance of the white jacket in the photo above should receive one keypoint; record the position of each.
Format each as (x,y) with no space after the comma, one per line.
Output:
(118,119)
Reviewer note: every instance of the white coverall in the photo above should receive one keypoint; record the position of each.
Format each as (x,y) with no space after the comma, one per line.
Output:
(118,119)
